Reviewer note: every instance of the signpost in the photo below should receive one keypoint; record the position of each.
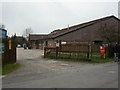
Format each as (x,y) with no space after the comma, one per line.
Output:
(10,44)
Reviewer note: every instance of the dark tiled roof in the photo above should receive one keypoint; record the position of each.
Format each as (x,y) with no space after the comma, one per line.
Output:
(75,27)
(63,31)
(37,36)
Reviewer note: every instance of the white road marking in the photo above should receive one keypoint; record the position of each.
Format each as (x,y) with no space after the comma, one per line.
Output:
(2,76)
(111,72)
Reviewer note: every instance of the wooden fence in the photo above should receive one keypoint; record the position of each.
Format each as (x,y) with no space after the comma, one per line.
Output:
(69,51)
(8,52)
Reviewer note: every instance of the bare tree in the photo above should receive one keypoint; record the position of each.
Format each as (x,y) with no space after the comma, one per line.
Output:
(26,32)
(2,26)
(108,33)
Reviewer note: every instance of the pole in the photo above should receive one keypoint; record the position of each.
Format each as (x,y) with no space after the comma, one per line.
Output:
(118,32)
(118,18)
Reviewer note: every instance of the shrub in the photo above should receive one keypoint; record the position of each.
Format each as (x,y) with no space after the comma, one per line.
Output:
(110,51)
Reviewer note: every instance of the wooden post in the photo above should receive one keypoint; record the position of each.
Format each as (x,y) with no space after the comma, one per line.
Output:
(60,45)
(105,53)
(88,53)
(44,52)
(56,52)
(90,49)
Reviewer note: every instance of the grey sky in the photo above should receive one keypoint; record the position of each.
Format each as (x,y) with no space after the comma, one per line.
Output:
(44,17)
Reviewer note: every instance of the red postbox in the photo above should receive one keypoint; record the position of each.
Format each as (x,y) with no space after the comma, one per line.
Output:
(102,50)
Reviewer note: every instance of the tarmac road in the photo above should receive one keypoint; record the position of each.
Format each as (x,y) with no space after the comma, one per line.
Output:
(39,73)
(28,53)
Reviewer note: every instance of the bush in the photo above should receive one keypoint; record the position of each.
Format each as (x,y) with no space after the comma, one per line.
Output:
(110,51)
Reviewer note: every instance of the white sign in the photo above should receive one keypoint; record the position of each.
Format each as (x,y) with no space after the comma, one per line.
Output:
(57,44)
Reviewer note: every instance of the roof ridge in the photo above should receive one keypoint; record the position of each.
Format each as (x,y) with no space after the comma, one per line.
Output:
(85,24)
(91,21)
(38,34)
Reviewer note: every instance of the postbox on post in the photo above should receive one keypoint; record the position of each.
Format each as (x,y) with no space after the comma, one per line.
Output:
(102,51)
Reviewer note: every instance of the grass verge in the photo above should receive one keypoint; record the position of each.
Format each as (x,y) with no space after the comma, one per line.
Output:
(99,60)
(96,61)
(8,68)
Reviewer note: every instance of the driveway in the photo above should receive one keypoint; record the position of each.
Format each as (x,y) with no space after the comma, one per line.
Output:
(36,72)
(28,53)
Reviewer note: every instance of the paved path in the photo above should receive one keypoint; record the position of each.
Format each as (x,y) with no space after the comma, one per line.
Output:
(40,73)
(28,53)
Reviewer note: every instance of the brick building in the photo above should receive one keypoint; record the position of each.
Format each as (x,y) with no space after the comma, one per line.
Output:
(89,32)
(37,40)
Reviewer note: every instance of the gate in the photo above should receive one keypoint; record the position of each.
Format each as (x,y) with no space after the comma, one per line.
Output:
(8,51)
(69,51)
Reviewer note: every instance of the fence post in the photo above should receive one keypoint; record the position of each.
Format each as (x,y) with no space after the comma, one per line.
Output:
(44,52)
(56,52)
(90,50)
(88,53)
(105,53)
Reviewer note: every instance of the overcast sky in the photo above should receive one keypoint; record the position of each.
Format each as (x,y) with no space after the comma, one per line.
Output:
(44,17)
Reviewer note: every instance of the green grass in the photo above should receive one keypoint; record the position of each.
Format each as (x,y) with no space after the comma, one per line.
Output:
(68,55)
(8,68)
(97,59)
(100,60)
